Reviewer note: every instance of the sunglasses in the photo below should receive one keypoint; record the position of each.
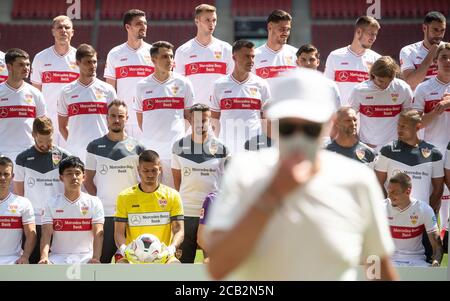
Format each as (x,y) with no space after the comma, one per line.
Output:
(311,130)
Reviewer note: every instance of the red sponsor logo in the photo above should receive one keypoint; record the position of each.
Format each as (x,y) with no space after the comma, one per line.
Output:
(133,71)
(350,76)
(431,104)
(272,71)
(174,103)
(59,77)
(380,111)
(11,222)
(3,78)
(205,68)
(18,112)
(72,224)
(406,232)
(83,108)
(240,104)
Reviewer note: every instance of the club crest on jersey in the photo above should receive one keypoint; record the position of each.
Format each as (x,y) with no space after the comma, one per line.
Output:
(129,146)
(84,210)
(426,152)
(162,203)
(13,208)
(218,54)
(175,90)
(253,91)
(187,171)
(360,153)
(28,98)
(56,158)
(99,94)
(288,60)
(148,59)
(414,218)
(73,65)
(394,97)
(2,67)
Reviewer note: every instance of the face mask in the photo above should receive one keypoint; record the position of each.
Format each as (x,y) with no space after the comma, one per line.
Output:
(299,143)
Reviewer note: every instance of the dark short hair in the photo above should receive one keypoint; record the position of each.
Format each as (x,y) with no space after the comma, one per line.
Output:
(402,179)
(366,21)
(238,45)
(117,103)
(5,161)
(43,125)
(149,156)
(12,54)
(278,15)
(85,50)
(199,107)
(308,48)
(130,14)
(160,44)
(70,162)
(434,16)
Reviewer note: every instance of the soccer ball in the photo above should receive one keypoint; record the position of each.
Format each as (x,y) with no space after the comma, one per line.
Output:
(146,247)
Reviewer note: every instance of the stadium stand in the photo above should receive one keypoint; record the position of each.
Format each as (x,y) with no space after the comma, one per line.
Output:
(48,9)
(245,8)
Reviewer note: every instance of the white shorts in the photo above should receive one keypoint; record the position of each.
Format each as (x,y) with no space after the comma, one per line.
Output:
(9,259)
(69,258)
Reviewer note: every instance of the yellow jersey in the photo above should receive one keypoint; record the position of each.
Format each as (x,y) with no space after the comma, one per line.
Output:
(149,213)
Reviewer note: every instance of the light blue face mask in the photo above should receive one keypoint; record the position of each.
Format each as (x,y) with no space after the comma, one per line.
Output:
(299,143)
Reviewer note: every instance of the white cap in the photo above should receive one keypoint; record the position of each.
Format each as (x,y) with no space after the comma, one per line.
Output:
(302,93)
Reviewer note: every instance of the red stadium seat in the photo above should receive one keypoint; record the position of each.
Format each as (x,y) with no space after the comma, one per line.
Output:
(48,9)
(262,8)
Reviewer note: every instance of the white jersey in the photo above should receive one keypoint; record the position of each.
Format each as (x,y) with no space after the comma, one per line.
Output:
(422,163)
(379,109)
(340,230)
(53,72)
(348,69)
(270,64)
(162,105)
(15,211)
(86,107)
(240,105)
(407,227)
(201,166)
(18,109)
(115,165)
(127,66)
(3,69)
(426,97)
(40,176)
(411,56)
(72,223)
(203,65)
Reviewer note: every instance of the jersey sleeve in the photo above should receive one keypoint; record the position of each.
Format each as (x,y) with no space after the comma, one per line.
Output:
(437,168)
(418,102)
(382,163)
(36,74)
(265,93)
(179,63)
(19,169)
(406,63)
(189,99)
(98,216)
(121,214)
(176,211)
(329,69)
(137,103)
(47,216)
(112,94)
(40,105)
(409,95)
(91,161)
(62,104)
(215,99)
(229,60)
(110,70)
(377,236)
(354,100)
(430,220)
(27,213)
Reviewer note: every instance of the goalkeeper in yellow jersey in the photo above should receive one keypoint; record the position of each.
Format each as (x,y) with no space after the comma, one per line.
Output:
(149,208)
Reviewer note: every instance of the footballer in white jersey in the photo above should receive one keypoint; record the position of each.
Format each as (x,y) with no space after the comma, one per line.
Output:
(52,72)
(240,107)
(417,60)
(85,108)
(379,109)
(127,66)
(203,64)
(16,220)
(3,69)
(18,108)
